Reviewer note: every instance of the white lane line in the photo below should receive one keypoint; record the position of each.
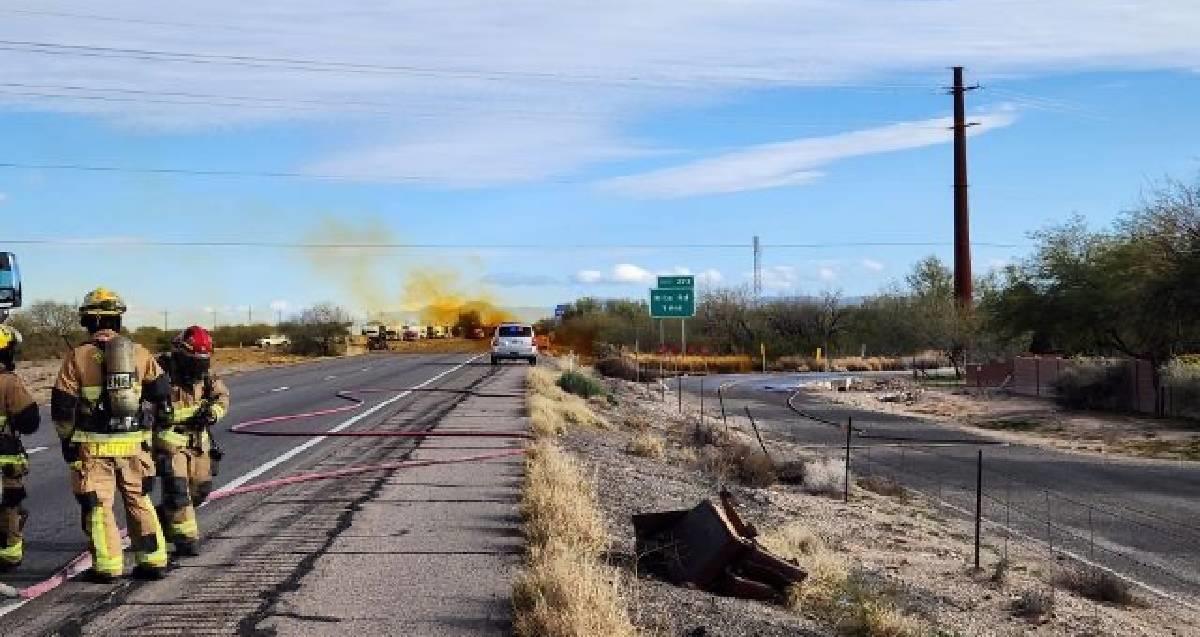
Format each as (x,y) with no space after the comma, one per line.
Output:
(331,377)
(291,453)
(267,466)
(364,369)
(30,452)
(284,388)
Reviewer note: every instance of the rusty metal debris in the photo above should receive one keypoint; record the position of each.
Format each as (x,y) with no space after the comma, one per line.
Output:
(711,548)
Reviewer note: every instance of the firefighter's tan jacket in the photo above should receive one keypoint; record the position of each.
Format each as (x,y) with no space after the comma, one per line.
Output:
(79,388)
(187,402)
(15,403)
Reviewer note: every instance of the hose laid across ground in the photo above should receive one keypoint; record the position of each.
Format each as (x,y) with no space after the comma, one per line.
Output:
(254,427)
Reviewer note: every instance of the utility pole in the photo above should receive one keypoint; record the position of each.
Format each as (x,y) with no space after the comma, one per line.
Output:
(164,313)
(249,315)
(214,323)
(962,217)
(757,269)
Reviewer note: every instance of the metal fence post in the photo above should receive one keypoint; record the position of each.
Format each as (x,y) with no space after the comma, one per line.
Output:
(721,399)
(978,504)
(679,388)
(846,480)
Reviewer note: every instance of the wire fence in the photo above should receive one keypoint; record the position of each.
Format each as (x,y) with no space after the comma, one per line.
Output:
(1058,535)
(1018,519)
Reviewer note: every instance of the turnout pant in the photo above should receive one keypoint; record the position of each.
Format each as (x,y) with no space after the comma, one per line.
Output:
(96,482)
(187,481)
(12,515)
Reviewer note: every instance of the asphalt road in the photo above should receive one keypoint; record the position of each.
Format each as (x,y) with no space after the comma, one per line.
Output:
(1140,518)
(53,535)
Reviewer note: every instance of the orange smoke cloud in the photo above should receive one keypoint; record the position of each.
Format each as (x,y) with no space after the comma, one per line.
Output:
(439,295)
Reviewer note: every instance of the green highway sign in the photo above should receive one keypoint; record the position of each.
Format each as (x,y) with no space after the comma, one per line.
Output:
(677,282)
(672,303)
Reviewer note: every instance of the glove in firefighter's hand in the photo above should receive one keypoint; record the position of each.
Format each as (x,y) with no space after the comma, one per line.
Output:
(164,413)
(205,416)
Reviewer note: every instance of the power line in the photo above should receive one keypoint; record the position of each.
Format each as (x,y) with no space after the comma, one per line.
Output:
(306,64)
(309,104)
(128,20)
(205,172)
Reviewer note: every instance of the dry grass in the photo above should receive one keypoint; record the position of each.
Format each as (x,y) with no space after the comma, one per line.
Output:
(711,364)
(792,541)
(551,409)
(847,599)
(646,445)
(558,504)
(559,595)
(564,590)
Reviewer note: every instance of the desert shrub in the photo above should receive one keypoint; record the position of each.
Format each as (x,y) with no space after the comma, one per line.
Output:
(824,477)
(617,366)
(646,445)
(1033,604)
(1181,379)
(580,384)
(883,486)
(1094,384)
(1096,584)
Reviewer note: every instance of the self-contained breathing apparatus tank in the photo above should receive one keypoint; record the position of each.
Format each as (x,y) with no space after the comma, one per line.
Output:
(122,391)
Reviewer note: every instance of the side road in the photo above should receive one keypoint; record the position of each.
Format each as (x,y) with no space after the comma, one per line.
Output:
(428,549)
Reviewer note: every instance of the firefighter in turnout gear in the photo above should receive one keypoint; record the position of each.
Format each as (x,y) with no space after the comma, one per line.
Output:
(184,450)
(96,405)
(18,416)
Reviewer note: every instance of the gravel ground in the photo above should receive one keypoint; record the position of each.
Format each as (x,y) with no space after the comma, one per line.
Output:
(919,551)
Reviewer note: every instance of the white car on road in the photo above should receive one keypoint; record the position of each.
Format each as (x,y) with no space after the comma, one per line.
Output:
(514,340)
(274,340)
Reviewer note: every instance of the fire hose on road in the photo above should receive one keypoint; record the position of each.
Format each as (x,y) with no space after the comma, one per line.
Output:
(260,427)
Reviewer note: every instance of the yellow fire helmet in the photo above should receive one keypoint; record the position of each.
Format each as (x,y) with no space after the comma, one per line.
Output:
(9,337)
(102,302)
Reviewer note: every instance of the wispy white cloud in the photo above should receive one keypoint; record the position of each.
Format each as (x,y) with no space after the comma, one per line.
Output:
(456,87)
(3,198)
(588,276)
(517,279)
(780,277)
(826,274)
(795,162)
(631,274)
(872,265)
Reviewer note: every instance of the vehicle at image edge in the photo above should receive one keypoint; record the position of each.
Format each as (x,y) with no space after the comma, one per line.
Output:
(274,340)
(514,340)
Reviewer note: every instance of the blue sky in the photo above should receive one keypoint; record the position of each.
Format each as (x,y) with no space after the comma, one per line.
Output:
(560,124)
